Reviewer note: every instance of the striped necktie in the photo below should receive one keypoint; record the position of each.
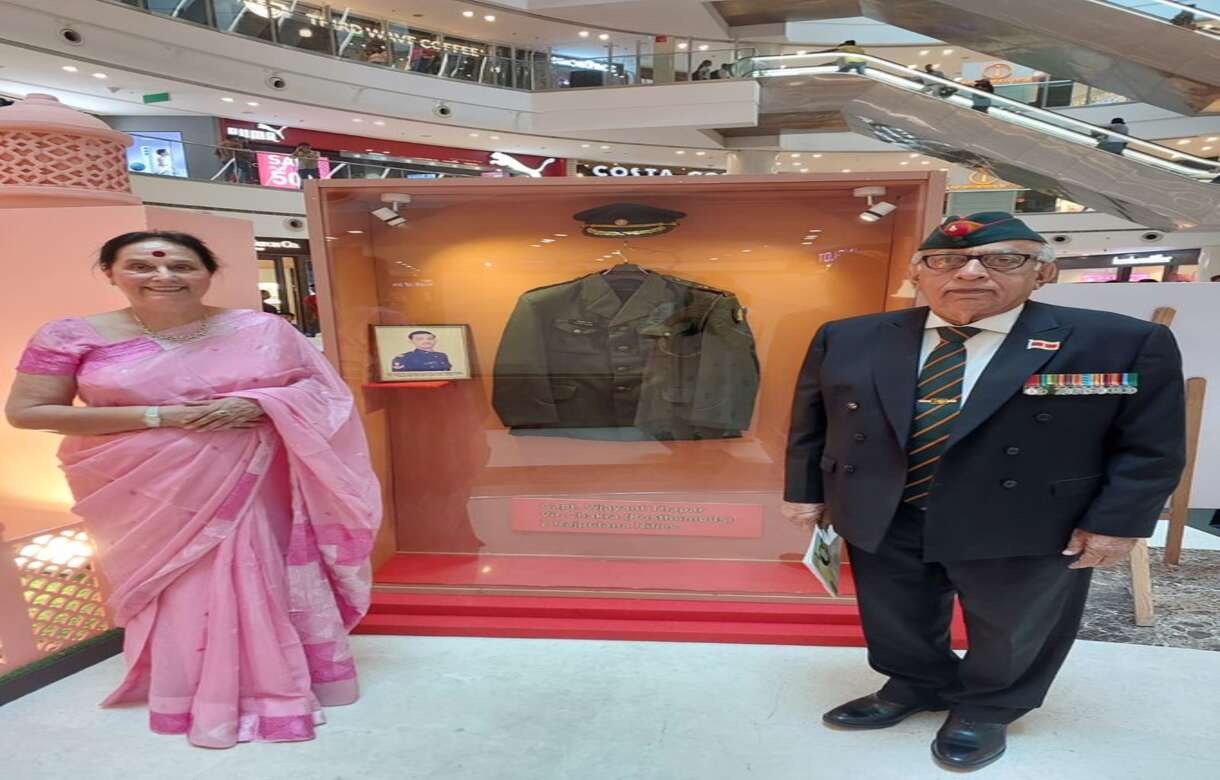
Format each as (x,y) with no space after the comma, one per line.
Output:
(938,403)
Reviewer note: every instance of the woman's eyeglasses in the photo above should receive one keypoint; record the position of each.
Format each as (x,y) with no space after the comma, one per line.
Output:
(1007,261)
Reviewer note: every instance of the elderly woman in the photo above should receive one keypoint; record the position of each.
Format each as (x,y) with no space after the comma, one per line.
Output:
(219,466)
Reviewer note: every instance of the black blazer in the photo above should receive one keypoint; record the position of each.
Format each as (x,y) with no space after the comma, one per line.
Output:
(1020,472)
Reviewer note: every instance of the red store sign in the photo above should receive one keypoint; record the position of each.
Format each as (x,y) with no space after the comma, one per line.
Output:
(290,137)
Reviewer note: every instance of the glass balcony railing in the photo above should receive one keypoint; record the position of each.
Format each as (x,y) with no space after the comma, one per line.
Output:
(1006,109)
(1202,16)
(323,30)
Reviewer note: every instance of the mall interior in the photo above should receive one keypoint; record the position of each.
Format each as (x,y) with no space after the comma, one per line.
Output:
(613,593)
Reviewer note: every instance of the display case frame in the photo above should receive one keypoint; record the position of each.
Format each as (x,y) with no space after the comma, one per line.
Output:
(348,306)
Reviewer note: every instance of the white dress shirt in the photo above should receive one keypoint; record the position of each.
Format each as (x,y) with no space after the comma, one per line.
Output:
(980,348)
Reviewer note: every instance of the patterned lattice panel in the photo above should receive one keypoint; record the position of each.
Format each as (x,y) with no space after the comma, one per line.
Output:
(62,591)
(49,159)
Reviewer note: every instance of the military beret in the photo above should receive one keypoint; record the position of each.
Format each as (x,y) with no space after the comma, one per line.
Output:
(627,220)
(984,227)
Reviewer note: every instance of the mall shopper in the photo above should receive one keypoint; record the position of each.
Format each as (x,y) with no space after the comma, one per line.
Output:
(307,161)
(377,53)
(268,306)
(1185,18)
(219,464)
(967,447)
(703,72)
(725,71)
(936,87)
(981,102)
(236,160)
(851,59)
(1112,143)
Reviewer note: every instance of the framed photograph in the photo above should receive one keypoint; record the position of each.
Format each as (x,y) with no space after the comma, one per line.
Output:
(422,353)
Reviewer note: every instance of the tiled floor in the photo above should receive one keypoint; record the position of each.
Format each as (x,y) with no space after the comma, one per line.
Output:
(503,709)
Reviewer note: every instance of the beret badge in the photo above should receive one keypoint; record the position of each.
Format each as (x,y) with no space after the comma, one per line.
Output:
(960,228)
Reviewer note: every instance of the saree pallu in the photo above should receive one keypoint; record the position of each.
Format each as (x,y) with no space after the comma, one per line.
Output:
(239,560)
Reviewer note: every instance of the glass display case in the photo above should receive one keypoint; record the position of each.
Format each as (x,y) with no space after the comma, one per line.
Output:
(631,347)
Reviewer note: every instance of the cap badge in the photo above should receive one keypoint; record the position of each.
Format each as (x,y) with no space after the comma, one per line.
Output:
(960,227)
(621,221)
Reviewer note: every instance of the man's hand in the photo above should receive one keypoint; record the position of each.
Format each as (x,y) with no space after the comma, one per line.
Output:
(805,515)
(1098,549)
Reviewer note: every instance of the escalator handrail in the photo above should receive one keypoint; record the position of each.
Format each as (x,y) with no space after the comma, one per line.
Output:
(1047,117)
(1172,4)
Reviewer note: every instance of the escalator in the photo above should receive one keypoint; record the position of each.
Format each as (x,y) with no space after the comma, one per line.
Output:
(1130,178)
(1131,47)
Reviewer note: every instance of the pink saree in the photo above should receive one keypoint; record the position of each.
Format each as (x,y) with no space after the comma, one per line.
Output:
(239,560)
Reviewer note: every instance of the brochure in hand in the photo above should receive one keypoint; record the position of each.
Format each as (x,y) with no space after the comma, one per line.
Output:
(825,558)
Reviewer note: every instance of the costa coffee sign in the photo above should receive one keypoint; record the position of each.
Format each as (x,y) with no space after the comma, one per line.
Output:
(608,169)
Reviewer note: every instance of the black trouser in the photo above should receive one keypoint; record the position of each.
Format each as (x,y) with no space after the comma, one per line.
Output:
(1021,614)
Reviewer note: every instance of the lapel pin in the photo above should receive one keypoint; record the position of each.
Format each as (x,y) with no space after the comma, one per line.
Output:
(1040,344)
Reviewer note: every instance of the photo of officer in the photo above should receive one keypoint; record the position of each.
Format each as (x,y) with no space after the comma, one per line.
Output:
(424,357)
(422,352)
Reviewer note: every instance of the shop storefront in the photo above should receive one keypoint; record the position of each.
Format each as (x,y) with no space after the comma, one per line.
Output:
(1159,265)
(264,154)
(599,169)
(566,400)
(285,281)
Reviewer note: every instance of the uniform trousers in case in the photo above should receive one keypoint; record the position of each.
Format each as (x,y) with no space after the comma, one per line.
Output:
(1022,615)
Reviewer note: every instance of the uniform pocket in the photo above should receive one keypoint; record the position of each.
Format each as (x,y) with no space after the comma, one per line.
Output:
(562,392)
(828,464)
(580,336)
(1077,486)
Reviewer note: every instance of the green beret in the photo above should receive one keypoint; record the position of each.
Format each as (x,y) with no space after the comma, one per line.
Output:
(628,220)
(985,227)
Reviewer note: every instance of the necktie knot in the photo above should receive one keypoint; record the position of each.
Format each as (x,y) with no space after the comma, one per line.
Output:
(956,334)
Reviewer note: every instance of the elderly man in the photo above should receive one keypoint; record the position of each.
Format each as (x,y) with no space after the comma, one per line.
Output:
(986,446)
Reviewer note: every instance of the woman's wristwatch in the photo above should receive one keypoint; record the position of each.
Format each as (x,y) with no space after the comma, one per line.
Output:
(152,417)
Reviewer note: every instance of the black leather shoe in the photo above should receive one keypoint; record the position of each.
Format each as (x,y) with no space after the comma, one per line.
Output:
(968,744)
(873,712)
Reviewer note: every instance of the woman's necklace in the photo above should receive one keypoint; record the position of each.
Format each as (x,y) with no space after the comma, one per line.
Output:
(199,333)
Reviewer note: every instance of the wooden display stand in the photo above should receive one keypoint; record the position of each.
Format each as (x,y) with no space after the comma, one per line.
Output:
(1179,502)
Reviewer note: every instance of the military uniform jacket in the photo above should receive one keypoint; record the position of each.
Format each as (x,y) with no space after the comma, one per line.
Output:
(676,359)
(1020,471)
(421,360)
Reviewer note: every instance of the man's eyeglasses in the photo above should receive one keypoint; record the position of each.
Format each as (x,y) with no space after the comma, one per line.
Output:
(1007,261)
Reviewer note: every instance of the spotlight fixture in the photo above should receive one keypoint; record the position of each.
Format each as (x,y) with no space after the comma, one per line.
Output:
(703,47)
(877,209)
(389,214)
(226,100)
(70,68)
(468,14)
(604,37)
(683,45)
(489,18)
(583,33)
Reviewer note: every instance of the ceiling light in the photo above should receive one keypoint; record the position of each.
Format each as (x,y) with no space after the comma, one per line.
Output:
(703,47)
(604,37)
(700,154)
(560,235)
(912,156)
(489,18)
(846,170)
(305,32)
(473,135)
(804,170)
(1212,138)
(1183,142)
(682,45)
(604,146)
(925,53)
(252,103)
(801,53)
(877,209)
(925,162)
(947,52)
(680,151)
(468,14)
(356,232)
(806,243)
(227,99)
(379,122)
(100,76)
(905,162)
(357,119)
(585,146)
(796,154)
(583,33)
(546,241)
(819,154)
(71,68)
(536,246)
